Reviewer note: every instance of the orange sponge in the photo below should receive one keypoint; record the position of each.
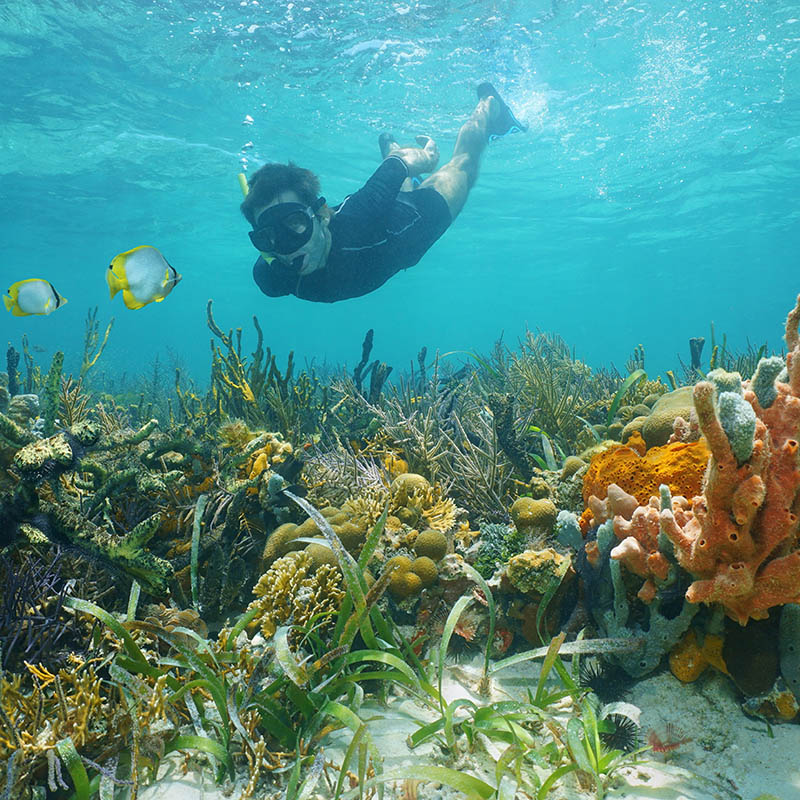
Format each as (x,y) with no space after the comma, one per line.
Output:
(680,465)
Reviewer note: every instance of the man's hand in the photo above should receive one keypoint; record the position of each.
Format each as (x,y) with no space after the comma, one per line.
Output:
(419,160)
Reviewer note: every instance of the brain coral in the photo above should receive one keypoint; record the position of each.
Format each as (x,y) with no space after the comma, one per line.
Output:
(431,543)
(405,584)
(680,466)
(657,428)
(426,569)
(528,513)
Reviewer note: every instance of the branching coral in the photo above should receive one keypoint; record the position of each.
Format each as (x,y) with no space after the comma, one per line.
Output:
(288,593)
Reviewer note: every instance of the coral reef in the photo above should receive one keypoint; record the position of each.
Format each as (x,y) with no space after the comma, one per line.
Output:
(657,427)
(498,543)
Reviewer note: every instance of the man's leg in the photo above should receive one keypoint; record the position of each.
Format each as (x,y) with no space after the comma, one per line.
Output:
(454,180)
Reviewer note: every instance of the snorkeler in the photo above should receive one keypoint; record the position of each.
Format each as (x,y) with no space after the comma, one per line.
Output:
(326,254)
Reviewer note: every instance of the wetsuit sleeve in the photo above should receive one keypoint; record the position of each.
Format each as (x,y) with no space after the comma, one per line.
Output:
(378,194)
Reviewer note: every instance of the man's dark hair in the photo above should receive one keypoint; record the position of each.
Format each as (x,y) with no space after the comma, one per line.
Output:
(272,179)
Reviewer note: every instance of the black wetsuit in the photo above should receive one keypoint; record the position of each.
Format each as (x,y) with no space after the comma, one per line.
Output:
(375,232)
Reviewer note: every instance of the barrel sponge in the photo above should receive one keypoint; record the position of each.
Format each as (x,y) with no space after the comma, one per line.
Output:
(405,484)
(657,428)
(404,584)
(679,465)
(425,568)
(527,513)
(280,542)
(431,543)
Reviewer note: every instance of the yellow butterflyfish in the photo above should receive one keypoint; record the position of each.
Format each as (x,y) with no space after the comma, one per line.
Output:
(32,296)
(143,276)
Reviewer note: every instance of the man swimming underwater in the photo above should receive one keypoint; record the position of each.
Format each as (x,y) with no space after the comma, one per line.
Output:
(326,254)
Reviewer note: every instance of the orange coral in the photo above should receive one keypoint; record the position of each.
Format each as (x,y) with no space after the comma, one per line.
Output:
(679,465)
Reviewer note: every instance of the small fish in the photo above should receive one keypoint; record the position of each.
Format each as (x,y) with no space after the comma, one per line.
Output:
(143,275)
(33,296)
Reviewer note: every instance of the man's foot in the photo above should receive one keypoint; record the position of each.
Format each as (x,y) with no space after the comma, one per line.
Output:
(503,122)
(388,145)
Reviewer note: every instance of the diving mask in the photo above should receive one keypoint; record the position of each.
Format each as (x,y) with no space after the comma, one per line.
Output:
(284,229)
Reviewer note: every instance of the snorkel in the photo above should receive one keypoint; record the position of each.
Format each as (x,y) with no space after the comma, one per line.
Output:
(245,187)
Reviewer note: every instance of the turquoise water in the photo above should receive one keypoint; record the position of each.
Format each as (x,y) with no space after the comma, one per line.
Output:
(655,191)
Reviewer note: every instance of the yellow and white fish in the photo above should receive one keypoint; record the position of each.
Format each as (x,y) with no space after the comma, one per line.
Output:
(142,275)
(33,296)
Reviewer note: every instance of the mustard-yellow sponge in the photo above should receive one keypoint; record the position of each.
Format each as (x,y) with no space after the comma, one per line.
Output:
(680,465)
(431,543)
(426,569)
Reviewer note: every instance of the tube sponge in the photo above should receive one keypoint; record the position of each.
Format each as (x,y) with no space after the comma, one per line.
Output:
(738,420)
(763,381)
(726,381)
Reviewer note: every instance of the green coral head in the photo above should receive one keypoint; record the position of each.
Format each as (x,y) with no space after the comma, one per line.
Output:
(738,420)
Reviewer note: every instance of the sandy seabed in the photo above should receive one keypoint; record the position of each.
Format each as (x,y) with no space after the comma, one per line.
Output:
(730,756)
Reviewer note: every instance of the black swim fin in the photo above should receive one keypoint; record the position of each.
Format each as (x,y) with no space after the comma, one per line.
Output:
(385,142)
(505,123)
